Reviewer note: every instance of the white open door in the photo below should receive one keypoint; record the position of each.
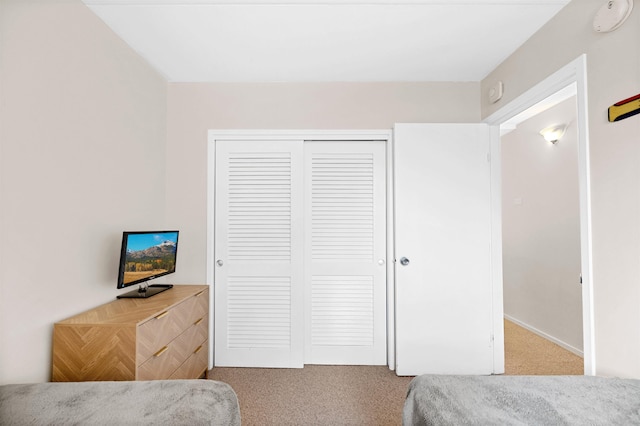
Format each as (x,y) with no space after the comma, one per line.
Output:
(444,301)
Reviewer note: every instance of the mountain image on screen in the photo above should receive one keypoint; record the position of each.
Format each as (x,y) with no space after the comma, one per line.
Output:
(151,261)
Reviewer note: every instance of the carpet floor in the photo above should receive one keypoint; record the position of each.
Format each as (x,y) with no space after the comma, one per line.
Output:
(317,395)
(364,395)
(526,353)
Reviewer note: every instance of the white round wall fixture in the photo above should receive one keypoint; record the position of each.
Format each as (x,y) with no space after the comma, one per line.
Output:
(612,15)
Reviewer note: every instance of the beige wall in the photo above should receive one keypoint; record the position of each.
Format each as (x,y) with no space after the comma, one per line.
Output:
(83,119)
(82,158)
(196,108)
(541,227)
(613,68)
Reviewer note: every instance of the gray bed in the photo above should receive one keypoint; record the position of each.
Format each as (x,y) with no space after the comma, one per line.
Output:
(160,402)
(522,400)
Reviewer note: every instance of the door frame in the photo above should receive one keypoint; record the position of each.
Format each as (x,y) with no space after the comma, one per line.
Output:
(574,73)
(320,135)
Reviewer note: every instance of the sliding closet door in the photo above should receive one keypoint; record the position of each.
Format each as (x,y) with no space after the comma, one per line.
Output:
(345,252)
(258,248)
(300,252)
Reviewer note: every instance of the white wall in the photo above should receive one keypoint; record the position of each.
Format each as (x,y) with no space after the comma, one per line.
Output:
(194,108)
(541,227)
(613,74)
(82,158)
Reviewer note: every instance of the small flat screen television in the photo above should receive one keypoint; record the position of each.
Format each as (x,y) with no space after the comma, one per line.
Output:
(144,256)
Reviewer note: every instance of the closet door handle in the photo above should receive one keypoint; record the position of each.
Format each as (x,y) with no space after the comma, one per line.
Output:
(404,261)
(219,262)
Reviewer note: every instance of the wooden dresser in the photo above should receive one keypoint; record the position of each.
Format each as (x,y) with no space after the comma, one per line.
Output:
(162,337)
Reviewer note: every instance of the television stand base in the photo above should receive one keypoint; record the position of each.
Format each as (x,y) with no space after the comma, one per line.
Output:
(146,291)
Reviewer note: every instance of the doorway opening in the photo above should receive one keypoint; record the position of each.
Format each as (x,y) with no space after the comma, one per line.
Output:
(567,85)
(541,241)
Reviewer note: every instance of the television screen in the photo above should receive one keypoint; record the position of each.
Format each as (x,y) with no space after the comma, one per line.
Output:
(145,256)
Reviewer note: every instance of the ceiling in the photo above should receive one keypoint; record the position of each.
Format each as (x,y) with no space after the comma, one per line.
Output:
(323,41)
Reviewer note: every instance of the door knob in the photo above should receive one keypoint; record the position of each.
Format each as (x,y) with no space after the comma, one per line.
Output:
(219,262)
(404,261)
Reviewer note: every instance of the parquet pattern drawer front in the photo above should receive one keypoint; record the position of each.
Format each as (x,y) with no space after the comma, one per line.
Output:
(200,306)
(195,365)
(163,328)
(171,356)
(135,339)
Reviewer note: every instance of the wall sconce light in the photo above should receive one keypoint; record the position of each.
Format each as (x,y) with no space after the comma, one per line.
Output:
(553,133)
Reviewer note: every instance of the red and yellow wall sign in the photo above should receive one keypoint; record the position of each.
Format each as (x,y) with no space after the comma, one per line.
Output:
(624,109)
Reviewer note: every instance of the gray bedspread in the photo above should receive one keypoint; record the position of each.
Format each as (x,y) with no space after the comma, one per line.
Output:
(522,400)
(161,402)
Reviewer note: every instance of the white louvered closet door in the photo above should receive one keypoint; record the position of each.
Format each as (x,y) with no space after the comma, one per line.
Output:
(345,252)
(258,249)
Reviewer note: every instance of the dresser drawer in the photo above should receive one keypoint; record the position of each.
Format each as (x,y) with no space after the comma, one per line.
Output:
(195,365)
(167,359)
(157,332)
(200,306)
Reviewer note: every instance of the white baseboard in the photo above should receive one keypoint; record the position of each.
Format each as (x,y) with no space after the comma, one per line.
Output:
(546,336)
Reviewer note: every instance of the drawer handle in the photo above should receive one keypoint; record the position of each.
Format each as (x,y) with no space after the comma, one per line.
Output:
(161,351)
(162,315)
(199,321)
(198,349)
